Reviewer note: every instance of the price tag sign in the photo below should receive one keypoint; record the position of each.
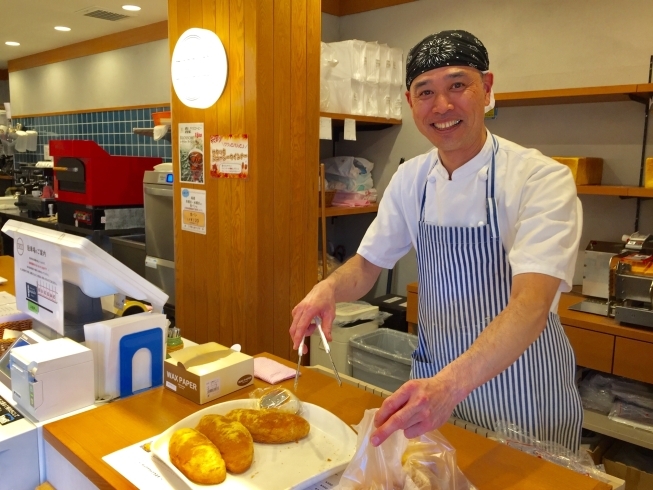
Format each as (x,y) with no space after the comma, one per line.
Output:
(193,210)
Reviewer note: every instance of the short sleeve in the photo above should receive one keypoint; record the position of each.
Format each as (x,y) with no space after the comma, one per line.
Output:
(390,235)
(548,225)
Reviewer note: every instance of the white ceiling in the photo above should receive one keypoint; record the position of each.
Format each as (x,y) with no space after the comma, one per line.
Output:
(32,22)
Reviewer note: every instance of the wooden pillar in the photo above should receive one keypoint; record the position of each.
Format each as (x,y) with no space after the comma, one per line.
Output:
(240,281)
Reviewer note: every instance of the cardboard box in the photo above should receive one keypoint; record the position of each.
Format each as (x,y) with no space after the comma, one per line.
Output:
(208,371)
(586,170)
(597,452)
(635,478)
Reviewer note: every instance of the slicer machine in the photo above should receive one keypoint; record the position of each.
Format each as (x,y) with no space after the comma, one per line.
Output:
(618,278)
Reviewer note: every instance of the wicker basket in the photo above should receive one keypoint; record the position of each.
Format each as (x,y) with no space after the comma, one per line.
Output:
(19,325)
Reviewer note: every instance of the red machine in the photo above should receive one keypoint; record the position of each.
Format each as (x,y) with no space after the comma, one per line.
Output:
(86,174)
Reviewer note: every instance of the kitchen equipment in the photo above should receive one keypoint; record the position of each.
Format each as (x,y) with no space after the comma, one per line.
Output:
(339,346)
(96,190)
(52,378)
(159,231)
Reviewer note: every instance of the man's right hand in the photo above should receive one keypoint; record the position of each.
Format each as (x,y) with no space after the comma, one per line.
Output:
(320,302)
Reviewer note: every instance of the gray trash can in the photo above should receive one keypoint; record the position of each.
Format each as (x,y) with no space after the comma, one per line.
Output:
(382,358)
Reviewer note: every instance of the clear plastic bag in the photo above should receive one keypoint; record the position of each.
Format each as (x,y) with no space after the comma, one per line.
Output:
(596,392)
(627,413)
(580,462)
(423,463)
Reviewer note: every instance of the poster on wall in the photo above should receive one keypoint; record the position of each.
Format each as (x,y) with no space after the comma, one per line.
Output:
(229,156)
(193,210)
(191,152)
(39,280)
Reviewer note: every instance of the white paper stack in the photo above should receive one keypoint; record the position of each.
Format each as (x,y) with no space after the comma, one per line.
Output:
(103,338)
(32,138)
(360,77)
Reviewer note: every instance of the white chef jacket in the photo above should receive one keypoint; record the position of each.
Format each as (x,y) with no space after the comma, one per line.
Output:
(540,215)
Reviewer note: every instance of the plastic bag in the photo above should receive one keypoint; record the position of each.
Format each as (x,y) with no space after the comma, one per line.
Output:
(424,463)
(596,392)
(580,462)
(633,415)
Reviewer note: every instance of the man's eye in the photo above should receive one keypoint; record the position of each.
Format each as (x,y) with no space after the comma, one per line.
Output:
(457,85)
(424,93)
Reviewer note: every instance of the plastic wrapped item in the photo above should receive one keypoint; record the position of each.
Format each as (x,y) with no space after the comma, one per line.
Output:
(424,463)
(633,415)
(348,173)
(278,398)
(580,462)
(632,391)
(353,199)
(596,392)
(332,265)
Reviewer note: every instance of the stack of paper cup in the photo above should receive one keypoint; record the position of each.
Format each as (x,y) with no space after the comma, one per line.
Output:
(32,137)
(21,141)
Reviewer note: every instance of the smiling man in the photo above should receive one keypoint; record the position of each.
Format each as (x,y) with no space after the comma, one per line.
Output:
(496,228)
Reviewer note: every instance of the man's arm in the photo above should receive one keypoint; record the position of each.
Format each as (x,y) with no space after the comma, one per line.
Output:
(347,283)
(425,404)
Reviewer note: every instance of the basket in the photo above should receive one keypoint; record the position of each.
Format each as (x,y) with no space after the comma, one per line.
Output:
(19,325)
(328,198)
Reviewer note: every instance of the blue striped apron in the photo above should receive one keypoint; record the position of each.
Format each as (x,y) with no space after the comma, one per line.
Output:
(464,282)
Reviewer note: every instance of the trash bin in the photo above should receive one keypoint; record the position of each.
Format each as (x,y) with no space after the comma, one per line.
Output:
(382,357)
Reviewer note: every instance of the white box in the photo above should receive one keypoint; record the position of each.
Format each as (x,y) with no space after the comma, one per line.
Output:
(52,378)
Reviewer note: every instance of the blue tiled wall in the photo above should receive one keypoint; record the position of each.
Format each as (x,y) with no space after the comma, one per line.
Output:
(112,130)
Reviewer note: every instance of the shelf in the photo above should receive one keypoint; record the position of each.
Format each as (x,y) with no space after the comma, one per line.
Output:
(615,190)
(363,123)
(603,425)
(613,93)
(332,211)
(150,132)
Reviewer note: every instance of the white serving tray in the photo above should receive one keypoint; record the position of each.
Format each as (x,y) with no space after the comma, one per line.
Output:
(326,450)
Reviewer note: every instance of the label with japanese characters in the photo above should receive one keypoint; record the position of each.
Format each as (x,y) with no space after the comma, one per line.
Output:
(191,152)
(193,210)
(229,156)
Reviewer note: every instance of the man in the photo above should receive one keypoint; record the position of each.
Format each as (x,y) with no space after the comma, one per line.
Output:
(496,227)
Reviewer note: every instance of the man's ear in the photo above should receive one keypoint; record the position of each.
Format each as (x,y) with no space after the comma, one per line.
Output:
(488,81)
(408,99)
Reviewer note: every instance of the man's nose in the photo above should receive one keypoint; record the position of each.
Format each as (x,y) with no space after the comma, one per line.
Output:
(442,104)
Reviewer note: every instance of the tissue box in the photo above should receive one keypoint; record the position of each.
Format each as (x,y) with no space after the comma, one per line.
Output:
(208,371)
(586,170)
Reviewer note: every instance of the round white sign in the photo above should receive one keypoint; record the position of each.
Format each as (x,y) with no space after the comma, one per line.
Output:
(199,68)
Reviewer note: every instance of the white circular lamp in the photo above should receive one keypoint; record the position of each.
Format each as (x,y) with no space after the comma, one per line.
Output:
(199,68)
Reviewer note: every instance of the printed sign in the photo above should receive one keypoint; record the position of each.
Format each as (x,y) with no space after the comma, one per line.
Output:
(39,280)
(191,152)
(8,414)
(229,156)
(193,210)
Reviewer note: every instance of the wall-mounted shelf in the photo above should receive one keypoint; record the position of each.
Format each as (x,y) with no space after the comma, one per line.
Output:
(150,132)
(612,93)
(603,425)
(363,123)
(615,190)
(332,211)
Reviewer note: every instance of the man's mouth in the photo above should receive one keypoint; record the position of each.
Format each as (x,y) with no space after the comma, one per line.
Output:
(446,125)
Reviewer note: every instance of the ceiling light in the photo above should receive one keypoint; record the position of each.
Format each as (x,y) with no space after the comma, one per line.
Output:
(133,8)
(62,28)
(12,43)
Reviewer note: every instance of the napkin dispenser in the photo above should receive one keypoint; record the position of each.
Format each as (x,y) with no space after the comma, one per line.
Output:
(52,378)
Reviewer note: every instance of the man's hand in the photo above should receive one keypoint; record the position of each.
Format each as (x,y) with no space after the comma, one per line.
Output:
(319,302)
(417,407)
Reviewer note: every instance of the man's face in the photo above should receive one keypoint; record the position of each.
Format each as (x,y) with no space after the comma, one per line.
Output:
(448,107)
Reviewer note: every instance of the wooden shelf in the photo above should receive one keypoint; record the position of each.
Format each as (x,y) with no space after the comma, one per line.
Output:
(615,190)
(150,133)
(363,123)
(342,211)
(613,93)
(603,425)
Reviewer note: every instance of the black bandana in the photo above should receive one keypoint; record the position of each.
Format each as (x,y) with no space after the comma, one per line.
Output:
(446,48)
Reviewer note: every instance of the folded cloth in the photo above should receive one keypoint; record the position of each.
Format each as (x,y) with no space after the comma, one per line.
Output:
(271,371)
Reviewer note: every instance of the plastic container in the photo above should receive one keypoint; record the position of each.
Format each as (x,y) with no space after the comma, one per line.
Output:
(351,312)
(161,117)
(339,345)
(382,358)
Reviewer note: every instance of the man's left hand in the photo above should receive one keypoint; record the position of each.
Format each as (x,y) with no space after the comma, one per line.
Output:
(418,406)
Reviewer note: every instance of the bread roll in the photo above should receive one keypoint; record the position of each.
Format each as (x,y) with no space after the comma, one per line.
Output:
(196,457)
(271,426)
(232,439)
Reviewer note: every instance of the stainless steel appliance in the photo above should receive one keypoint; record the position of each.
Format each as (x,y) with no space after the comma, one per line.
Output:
(159,231)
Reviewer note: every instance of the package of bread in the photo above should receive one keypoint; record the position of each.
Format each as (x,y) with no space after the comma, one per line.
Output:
(232,439)
(271,426)
(196,457)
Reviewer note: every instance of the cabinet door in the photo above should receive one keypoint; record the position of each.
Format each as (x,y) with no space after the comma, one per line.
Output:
(593,349)
(633,359)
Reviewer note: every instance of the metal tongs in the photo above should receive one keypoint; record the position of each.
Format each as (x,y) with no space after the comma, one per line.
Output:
(318,322)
